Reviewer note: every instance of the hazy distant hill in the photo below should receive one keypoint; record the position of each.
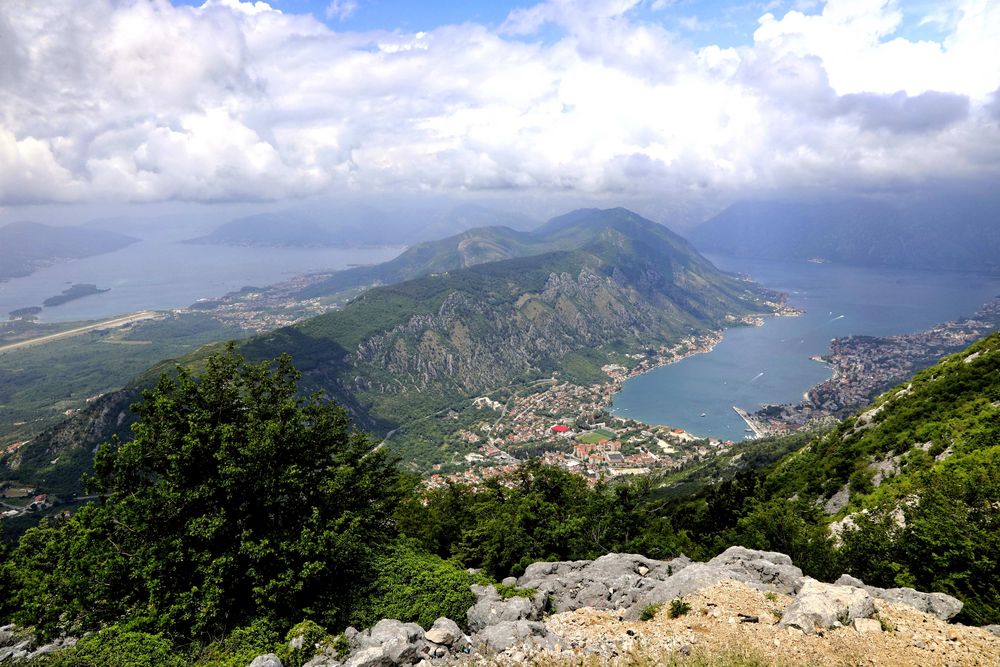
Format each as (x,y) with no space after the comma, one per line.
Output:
(355,224)
(933,233)
(400,354)
(27,246)
(479,246)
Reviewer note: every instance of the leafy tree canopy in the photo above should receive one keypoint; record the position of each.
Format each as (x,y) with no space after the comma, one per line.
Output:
(237,499)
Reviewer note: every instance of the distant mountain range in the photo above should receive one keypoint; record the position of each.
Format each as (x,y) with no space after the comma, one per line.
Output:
(961,234)
(562,299)
(28,246)
(356,224)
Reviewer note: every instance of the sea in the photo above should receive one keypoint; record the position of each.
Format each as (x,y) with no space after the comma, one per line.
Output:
(772,364)
(161,274)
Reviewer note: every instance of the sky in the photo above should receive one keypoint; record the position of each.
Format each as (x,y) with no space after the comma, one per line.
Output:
(679,102)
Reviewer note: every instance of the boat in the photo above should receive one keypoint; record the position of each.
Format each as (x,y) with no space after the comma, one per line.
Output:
(703,414)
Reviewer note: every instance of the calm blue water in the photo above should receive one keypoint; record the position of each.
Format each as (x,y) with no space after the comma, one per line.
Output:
(771,364)
(161,274)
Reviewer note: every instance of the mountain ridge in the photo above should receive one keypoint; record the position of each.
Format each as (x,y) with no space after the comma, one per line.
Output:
(928,233)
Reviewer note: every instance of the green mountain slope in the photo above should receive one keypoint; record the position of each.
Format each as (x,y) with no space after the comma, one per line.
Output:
(399,356)
(27,246)
(572,231)
(905,493)
(402,353)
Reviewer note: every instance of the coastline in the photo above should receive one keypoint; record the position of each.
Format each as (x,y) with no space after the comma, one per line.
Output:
(703,344)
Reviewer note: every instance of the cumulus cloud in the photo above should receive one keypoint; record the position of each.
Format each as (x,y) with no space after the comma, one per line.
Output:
(235,101)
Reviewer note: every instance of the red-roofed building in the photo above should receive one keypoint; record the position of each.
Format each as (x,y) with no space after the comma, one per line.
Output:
(560,428)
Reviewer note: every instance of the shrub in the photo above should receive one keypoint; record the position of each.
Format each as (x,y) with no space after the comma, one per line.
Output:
(116,646)
(241,646)
(650,611)
(507,592)
(413,586)
(678,608)
(303,642)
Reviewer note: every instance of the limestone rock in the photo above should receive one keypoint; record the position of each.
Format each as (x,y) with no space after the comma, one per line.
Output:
(992,629)
(491,609)
(764,570)
(373,656)
(819,606)
(400,642)
(266,660)
(444,632)
(613,581)
(941,605)
(509,634)
(866,626)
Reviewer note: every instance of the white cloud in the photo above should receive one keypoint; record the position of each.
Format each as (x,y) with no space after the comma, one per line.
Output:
(144,101)
(341,10)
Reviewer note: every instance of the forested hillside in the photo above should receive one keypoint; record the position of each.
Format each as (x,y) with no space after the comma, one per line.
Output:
(240,508)
(402,355)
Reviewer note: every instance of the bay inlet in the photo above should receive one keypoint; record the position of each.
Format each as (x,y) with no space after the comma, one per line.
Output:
(775,363)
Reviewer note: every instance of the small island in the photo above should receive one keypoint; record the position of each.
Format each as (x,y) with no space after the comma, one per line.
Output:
(75,292)
(29,313)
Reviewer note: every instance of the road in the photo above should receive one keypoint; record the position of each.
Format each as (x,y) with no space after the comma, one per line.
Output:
(116,322)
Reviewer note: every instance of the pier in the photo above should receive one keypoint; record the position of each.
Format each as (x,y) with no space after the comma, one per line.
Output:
(758,431)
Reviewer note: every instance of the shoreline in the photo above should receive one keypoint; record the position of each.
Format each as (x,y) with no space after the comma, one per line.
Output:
(708,342)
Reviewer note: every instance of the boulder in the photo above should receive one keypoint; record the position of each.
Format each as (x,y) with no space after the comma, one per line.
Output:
(992,629)
(613,581)
(401,643)
(820,606)
(941,605)
(324,659)
(866,626)
(266,660)
(445,632)
(506,635)
(373,656)
(491,609)
(764,570)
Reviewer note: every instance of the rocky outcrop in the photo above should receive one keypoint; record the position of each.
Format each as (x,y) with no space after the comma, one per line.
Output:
(764,570)
(491,608)
(513,624)
(508,635)
(614,581)
(16,645)
(820,606)
(941,605)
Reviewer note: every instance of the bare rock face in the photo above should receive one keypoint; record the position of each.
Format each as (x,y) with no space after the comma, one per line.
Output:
(402,643)
(941,605)
(530,635)
(613,581)
(266,660)
(764,570)
(820,606)
(491,608)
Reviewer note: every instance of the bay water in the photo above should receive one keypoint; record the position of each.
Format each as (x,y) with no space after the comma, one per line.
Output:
(771,363)
(161,274)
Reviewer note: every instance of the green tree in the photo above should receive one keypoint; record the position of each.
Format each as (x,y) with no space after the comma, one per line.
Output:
(236,499)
